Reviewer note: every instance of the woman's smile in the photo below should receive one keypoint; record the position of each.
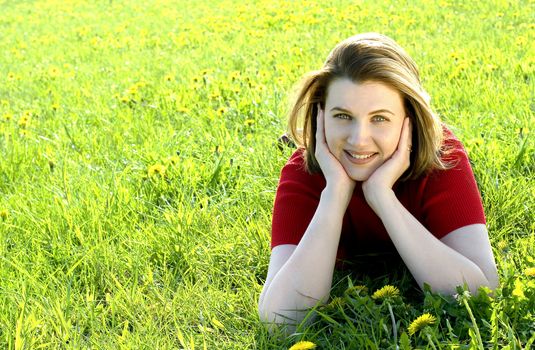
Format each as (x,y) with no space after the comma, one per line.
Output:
(360,157)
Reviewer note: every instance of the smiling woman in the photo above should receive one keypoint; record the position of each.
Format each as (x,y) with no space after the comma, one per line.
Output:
(375,168)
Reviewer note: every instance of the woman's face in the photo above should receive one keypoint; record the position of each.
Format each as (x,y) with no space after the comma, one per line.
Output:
(363,124)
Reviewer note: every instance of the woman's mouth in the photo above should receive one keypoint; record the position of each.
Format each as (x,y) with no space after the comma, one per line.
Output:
(360,157)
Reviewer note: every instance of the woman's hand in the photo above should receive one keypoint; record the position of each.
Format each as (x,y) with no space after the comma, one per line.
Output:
(384,177)
(332,169)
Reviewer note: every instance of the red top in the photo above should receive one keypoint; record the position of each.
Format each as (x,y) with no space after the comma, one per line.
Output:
(443,200)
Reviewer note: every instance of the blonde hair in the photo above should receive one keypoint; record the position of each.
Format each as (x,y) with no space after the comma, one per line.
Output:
(370,57)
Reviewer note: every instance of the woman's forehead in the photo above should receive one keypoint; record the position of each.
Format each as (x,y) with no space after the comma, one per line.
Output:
(363,96)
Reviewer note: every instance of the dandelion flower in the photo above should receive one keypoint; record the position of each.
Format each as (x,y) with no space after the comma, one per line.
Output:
(156,169)
(53,72)
(222,110)
(519,290)
(133,90)
(303,345)
(249,122)
(356,290)
(337,303)
(530,271)
(421,322)
(387,291)
(502,245)
(173,160)
(23,121)
(3,214)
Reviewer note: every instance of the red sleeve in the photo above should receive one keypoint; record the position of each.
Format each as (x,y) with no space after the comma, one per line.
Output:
(297,198)
(451,197)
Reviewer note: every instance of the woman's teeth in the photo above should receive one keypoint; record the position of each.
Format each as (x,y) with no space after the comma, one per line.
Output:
(359,156)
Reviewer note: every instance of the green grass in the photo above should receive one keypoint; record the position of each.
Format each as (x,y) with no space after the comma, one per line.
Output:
(99,251)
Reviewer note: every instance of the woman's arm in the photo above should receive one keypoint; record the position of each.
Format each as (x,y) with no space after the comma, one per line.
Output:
(305,278)
(462,256)
(301,277)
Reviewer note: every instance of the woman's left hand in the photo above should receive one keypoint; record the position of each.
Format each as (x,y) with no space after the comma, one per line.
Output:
(384,177)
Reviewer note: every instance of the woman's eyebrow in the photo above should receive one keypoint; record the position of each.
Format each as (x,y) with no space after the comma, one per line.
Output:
(378,111)
(382,111)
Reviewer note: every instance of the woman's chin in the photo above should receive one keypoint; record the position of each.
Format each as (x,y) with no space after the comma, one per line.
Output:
(359,176)
(359,173)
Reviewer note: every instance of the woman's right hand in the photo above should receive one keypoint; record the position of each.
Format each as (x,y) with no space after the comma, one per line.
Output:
(333,171)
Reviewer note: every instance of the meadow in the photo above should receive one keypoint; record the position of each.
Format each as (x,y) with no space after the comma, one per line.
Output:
(139,164)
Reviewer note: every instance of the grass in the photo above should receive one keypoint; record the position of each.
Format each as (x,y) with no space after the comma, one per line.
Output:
(139,167)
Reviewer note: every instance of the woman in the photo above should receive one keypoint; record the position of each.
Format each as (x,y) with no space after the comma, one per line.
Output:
(375,168)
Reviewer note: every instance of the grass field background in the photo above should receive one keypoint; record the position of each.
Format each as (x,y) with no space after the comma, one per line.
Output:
(139,166)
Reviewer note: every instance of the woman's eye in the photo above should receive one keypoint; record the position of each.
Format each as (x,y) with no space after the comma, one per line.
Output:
(342,116)
(379,118)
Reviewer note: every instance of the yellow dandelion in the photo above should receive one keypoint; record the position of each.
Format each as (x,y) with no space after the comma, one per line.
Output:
(132,90)
(3,214)
(222,110)
(7,116)
(169,77)
(519,290)
(140,84)
(53,72)
(234,75)
(249,122)
(521,40)
(156,170)
(173,159)
(303,345)
(23,121)
(10,76)
(55,106)
(454,55)
(502,245)
(356,290)
(387,291)
(337,303)
(530,271)
(183,109)
(421,322)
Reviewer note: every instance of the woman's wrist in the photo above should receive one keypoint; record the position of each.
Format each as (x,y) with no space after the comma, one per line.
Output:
(338,196)
(378,198)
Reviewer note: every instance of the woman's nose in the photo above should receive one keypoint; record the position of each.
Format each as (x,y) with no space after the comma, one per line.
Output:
(359,135)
